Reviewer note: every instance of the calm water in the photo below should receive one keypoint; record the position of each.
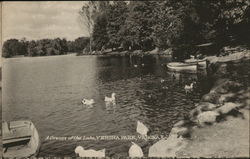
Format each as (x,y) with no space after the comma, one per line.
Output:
(48,91)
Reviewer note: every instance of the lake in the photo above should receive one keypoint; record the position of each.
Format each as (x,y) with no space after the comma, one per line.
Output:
(48,91)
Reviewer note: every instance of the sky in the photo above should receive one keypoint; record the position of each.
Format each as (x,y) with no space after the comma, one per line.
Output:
(38,20)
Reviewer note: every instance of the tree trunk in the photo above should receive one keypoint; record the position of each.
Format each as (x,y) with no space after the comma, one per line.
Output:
(90,44)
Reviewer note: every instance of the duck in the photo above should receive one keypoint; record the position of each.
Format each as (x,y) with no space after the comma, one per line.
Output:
(141,128)
(189,88)
(88,101)
(142,64)
(89,153)
(78,149)
(135,151)
(165,87)
(110,99)
(162,80)
(135,66)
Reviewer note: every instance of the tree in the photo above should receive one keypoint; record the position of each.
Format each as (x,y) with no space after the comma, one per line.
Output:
(100,36)
(81,43)
(224,18)
(116,16)
(88,14)
(138,25)
(13,47)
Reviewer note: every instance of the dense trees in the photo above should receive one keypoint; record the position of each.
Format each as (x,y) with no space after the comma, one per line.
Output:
(170,24)
(145,25)
(116,15)
(44,47)
(13,47)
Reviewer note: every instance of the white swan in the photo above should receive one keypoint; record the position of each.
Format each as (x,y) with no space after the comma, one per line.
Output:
(141,128)
(89,153)
(189,88)
(78,149)
(88,101)
(162,80)
(135,66)
(108,99)
(135,151)
(165,87)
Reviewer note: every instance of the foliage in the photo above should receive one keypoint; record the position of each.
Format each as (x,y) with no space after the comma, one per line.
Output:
(176,24)
(116,16)
(43,47)
(138,25)
(100,37)
(13,47)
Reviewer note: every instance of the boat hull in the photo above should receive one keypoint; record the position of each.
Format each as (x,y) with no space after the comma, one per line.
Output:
(20,146)
(200,63)
(182,67)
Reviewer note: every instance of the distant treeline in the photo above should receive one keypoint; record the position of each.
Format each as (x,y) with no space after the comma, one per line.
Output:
(44,47)
(181,24)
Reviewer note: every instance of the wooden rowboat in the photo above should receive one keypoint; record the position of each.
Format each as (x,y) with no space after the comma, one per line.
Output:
(20,139)
(200,62)
(182,67)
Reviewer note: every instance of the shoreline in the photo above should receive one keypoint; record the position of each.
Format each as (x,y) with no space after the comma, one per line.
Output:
(167,52)
(219,125)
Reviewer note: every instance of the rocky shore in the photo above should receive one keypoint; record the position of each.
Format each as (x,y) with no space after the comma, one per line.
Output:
(219,125)
(131,53)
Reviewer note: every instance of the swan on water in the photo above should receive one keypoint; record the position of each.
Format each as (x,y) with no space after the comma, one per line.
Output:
(89,153)
(88,101)
(189,88)
(110,99)
(135,151)
(135,66)
(78,149)
(141,128)
(162,80)
(165,87)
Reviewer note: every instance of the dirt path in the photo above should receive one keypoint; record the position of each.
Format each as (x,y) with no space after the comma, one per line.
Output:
(228,138)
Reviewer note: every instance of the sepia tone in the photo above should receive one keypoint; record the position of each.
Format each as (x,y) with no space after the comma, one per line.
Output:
(125,79)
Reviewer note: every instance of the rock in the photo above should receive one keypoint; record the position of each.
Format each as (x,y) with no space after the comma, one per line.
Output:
(244,94)
(90,153)
(176,130)
(207,117)
(226,97)
(194,113)
(228,107)
(180,132)
(155,51)
(221,71)
(135,151)
(226,87)
(168,51)
(167,147)
(185,133)
(206,106)
(247,103)
(180,123)
(211,97)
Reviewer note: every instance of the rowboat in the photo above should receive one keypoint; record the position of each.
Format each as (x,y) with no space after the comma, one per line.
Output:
(20,139)
(200,62)
(182,67)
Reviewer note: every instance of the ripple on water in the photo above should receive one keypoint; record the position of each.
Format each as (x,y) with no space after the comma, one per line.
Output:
(52,100)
